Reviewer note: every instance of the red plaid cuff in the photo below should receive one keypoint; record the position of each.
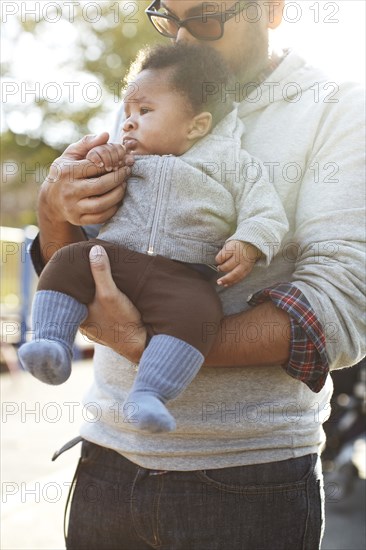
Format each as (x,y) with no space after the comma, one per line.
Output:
(308,359)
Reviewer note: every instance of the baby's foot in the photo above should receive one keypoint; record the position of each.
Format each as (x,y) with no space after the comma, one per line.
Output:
(48,361)
(148,413)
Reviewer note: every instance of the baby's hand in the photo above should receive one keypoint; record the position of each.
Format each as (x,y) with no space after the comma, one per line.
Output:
(237,258)
(110,156)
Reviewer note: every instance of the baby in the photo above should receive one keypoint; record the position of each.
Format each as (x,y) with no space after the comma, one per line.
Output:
(195,199)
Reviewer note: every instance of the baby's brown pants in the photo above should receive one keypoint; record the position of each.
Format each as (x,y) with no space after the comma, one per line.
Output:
(173,298)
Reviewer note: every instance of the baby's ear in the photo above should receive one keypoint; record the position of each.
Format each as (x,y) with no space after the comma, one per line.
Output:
(201,125)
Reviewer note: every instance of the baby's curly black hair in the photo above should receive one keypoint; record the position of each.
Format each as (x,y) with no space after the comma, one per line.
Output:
(199,73)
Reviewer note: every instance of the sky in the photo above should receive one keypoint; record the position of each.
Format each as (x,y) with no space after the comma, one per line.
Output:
(329,34)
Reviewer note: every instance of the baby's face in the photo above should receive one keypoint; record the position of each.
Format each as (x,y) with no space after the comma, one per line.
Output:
(158,118)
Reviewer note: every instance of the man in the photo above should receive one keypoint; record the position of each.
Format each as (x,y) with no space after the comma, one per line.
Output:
(241,471)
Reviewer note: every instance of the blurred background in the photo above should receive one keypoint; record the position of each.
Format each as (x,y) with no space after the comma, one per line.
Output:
(62,64)
(62,67)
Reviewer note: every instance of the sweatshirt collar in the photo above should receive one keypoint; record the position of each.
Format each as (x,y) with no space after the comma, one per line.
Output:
(291,73)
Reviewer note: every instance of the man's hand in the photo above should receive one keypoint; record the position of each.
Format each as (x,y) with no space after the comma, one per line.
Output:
(80,192)
(113,320)
(237,258)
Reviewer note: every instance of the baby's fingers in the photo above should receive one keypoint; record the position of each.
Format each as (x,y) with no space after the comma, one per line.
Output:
(231,278)
(227,264)
(109,156)
(96,157)
(224,255)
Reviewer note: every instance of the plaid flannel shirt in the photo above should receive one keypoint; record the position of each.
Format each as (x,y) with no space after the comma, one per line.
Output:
(308,359)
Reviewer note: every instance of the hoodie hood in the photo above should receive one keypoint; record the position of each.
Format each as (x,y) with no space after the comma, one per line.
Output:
(287,82)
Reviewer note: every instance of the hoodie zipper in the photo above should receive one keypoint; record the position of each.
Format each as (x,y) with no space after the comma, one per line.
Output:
(158,204)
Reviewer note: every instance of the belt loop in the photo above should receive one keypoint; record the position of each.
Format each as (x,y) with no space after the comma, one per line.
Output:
(67,446)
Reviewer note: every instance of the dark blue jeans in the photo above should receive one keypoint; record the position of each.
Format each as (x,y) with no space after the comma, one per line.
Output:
(117,505)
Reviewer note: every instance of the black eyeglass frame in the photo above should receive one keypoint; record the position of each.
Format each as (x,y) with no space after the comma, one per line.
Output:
(222,18)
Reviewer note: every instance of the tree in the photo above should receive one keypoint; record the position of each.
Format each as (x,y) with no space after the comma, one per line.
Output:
(68,87)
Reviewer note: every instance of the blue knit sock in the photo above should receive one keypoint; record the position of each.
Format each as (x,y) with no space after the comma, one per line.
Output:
(167,367)
(56,318)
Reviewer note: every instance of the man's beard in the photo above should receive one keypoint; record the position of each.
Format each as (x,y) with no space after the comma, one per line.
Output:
(249,67)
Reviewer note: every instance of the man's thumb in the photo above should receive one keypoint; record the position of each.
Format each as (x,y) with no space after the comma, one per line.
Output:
(79,150)
(101,270)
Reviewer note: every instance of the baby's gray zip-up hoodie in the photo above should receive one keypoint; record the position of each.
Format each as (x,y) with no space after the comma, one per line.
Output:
(186,207)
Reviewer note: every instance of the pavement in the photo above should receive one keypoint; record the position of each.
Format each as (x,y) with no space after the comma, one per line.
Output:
(38,419)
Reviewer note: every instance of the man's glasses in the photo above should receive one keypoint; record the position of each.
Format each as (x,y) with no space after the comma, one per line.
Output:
(207,26)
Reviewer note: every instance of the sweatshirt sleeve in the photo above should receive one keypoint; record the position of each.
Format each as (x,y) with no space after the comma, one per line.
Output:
(261,219)
(330,229)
